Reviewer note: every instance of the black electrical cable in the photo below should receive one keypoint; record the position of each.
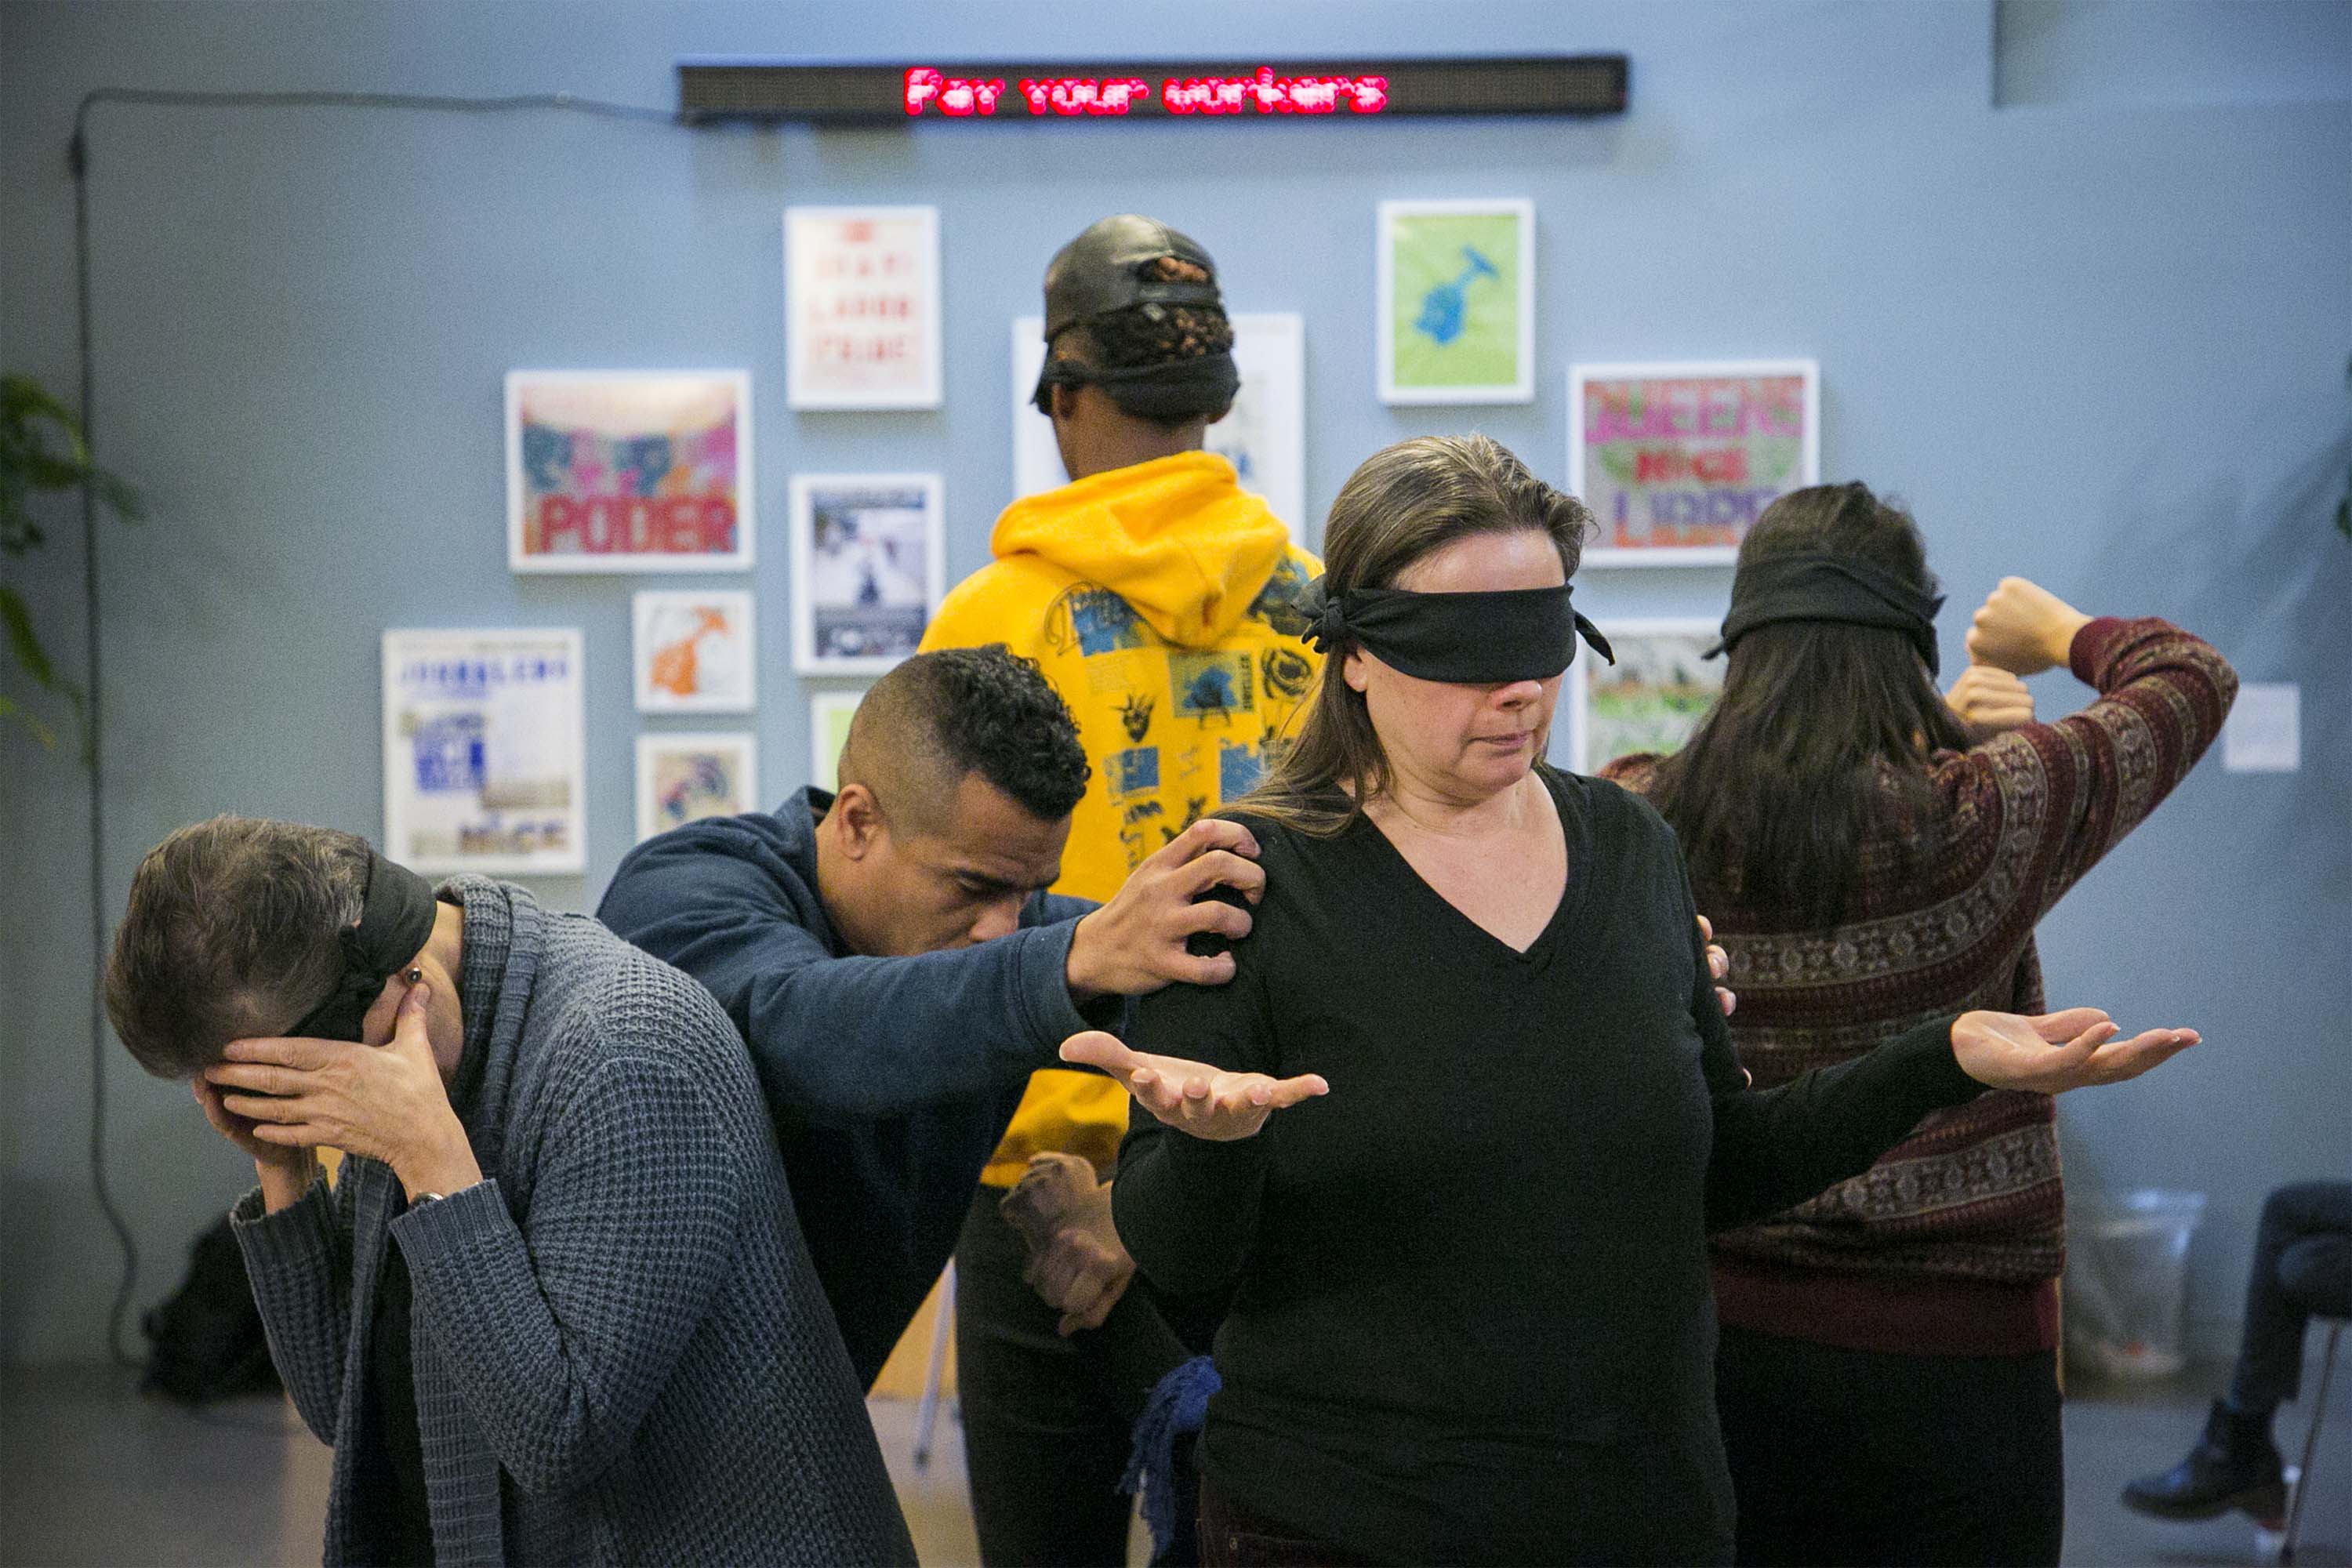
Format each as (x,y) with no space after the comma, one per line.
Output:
(78,161)
(94,754)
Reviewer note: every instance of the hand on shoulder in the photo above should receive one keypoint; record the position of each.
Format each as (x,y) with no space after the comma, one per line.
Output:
(1141,940)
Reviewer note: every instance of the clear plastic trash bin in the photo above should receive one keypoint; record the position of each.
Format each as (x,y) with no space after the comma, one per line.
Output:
(2128,1281)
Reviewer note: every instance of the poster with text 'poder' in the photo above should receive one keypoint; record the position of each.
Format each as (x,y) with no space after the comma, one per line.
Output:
(628,470)
(482,757)
(862,307)
(1677,460)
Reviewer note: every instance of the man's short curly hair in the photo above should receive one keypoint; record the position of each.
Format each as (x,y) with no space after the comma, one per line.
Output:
(938,716)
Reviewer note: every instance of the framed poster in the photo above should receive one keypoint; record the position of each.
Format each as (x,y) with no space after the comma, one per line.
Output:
(482,759)
(692,652)
(862,307)
(1455,319)
(1651,700)
(682,777)
(629,470)
(829,715)
(869,565)
(1264,436)
(1677,460)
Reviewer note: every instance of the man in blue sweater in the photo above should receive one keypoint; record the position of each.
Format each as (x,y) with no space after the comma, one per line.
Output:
(898,971)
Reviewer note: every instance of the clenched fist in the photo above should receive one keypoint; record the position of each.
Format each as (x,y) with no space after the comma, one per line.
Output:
(1988,700)
(2023,629)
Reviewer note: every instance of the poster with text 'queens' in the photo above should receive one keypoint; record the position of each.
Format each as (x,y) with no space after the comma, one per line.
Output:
(482,761)
(1677,460)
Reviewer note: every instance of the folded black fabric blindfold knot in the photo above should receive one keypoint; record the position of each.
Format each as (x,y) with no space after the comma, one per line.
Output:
(1470,639)
(396,916)
(1817,585)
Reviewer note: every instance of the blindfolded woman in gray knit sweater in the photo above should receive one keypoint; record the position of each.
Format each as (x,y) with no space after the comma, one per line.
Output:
(1470,1318)
(554,1307)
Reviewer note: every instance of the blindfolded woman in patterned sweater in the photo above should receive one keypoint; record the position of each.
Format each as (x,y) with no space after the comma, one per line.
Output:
(1876,856)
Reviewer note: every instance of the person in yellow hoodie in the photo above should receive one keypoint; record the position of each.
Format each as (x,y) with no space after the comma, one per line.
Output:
(1147,589)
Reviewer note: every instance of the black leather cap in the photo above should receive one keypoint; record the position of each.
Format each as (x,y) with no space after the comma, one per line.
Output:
(1103,270)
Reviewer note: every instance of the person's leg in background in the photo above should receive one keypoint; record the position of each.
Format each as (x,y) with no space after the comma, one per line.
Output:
(1042,1447)
(1049,1420)
(1858,1457)
(2303,1256)
(2302,1252)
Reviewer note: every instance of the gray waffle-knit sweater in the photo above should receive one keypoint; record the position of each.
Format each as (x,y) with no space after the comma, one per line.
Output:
(621,1351)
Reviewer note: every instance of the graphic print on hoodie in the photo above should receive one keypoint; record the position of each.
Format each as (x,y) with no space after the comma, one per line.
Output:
(1144,593)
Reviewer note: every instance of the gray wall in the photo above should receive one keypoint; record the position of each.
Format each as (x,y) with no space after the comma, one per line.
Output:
(2095,334)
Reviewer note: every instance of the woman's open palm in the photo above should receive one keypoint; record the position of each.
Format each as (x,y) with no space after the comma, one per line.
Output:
(2054,1052)
(1193,1097)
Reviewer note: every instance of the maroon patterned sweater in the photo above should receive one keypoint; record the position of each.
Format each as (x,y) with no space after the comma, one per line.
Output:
(1951,1244)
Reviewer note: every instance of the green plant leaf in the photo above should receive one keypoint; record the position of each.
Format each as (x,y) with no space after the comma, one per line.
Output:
(24,400)
(41,448)
(31,657)
(120,495)
(14,713)
(40,471)
(33,423)
(18,531)
(22,397)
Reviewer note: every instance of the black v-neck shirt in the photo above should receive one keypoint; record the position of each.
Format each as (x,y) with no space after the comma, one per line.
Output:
(1470,1315)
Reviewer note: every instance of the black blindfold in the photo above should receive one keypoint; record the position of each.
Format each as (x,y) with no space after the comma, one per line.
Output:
(1168,389)
(396,915)
(1470,639)
(1818,586)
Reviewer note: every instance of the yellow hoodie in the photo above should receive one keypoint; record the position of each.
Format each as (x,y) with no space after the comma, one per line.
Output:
(1143,593)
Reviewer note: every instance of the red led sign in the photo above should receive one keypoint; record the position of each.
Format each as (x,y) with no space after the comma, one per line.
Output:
(1005,92)
(1261,92)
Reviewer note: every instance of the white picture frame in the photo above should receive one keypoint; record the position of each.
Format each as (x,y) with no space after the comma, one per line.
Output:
(1264,436)
(685,775)
(569,438)
(862,322)
(694,650)
(484,760)
(1623,507)
(855,591)
(829,715)
(1436,255)
(1641,645)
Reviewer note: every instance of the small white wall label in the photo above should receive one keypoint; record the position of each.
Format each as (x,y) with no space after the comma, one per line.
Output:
(2264,733)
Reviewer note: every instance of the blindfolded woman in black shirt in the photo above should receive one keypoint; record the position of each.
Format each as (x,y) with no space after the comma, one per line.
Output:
(1469,1313)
